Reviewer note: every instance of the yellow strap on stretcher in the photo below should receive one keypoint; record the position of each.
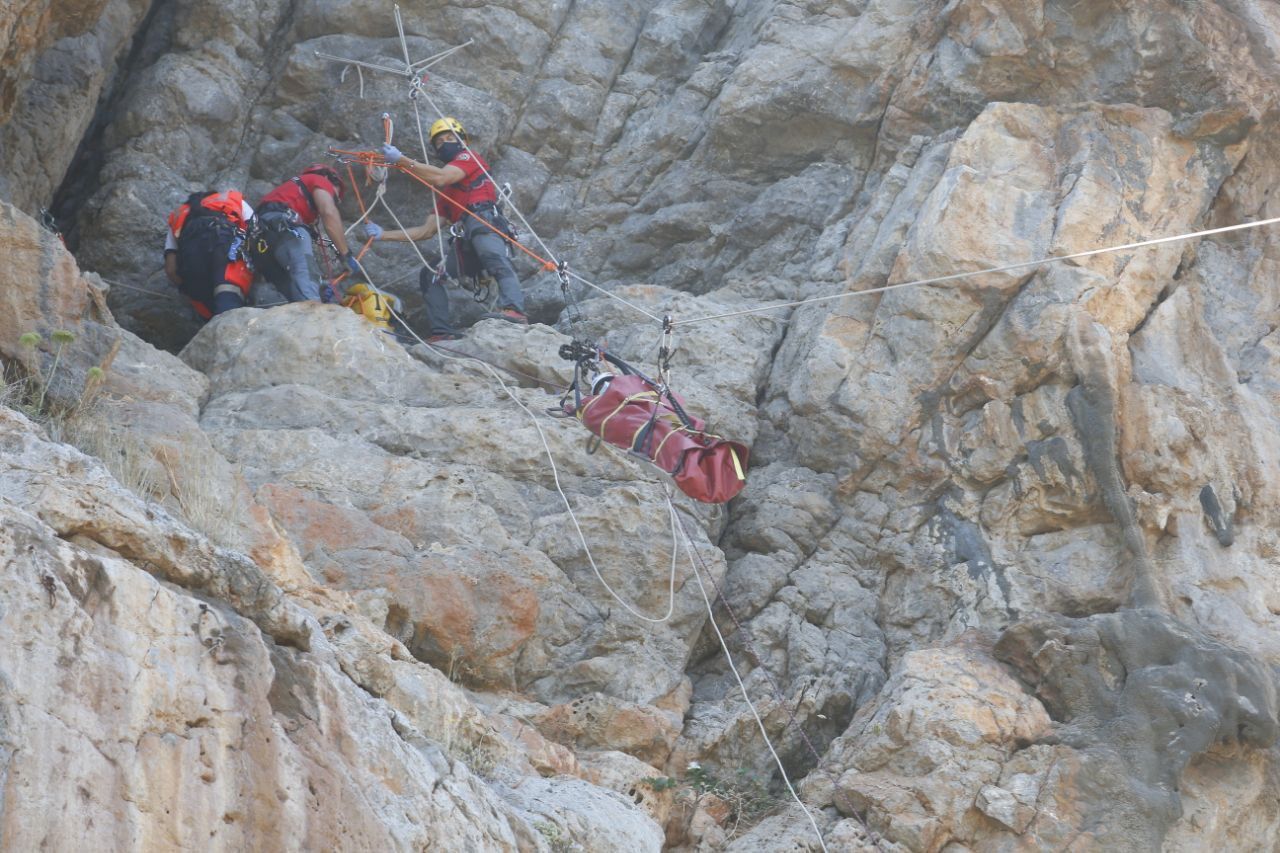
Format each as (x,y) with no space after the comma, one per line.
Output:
(643,395)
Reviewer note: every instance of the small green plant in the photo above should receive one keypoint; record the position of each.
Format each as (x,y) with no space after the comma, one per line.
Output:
(660,783)
(29,391)
(555,837)
(61,337)
(462,739)
(746,795)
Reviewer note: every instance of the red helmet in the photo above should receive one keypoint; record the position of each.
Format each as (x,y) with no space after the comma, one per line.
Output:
(328,173)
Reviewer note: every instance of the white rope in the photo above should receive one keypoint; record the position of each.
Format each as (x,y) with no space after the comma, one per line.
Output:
(382,187)
(573,275)
(1018,266)
(480,163)
(411,70)
(577,528)
(404,43)
(711,616)
(676,530)
(424,64)
(525,222)
(435,205)
(400,226)
(174,294)
(555,471)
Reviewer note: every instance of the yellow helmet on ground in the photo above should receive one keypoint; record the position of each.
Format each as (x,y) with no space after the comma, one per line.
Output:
(447,125)
(373,305)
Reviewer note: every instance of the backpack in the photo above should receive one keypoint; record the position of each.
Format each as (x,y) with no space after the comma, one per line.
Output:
(208,240)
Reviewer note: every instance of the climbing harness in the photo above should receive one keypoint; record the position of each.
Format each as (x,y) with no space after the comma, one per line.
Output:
(210,232)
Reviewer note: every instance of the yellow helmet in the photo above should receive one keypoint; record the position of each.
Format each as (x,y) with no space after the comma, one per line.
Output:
(446,125)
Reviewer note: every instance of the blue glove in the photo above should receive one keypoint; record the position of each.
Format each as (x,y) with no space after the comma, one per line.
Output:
(391,154)
(352,263)
(373,230)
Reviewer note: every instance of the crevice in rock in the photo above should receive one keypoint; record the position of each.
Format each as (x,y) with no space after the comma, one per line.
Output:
(269,72)
(83,175)
(536,77)
(1218,520)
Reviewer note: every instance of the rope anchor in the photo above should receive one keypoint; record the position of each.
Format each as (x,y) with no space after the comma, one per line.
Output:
(666,351)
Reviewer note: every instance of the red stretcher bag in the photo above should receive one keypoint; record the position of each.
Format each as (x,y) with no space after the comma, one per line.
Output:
(631,414)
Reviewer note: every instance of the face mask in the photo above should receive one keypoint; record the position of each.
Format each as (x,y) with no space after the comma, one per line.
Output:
(449,151)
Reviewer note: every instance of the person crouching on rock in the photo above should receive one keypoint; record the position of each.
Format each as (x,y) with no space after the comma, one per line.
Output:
(203,251)
(465,189)
(285,230)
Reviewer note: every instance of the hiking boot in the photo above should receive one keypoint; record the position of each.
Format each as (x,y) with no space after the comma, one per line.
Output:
(509,314)
(444,338)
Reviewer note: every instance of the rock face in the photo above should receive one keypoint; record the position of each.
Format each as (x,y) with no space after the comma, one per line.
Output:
(180,685)
(1004,573)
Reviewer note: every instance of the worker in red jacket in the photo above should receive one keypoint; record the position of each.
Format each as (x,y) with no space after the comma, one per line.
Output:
(286,228)
(469,199)
(203,251)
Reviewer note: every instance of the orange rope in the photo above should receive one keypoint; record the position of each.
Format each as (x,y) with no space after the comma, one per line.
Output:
(367,243)
(352,175)
(371,158)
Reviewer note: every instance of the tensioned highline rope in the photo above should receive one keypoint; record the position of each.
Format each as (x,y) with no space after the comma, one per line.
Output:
(952,277)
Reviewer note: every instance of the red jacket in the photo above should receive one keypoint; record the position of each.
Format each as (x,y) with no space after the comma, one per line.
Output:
(230,204)
(475,187)
(290,194)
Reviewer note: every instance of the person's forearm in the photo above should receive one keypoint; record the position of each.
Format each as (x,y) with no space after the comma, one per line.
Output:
(437,176)
(412,235)
(430,174)
(332,222)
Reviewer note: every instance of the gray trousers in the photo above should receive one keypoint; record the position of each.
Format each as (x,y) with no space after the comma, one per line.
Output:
(296,275)
(491,251)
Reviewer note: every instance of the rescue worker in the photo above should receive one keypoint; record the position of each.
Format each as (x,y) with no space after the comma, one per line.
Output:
(286,228)
(466,189)
(203,253)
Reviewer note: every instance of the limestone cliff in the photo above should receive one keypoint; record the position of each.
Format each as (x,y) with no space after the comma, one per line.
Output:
(1005,573)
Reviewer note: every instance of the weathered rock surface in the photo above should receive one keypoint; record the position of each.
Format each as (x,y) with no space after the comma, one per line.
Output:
(429,489)
(61,57)
(938,734)
(175,717)
(190,670)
